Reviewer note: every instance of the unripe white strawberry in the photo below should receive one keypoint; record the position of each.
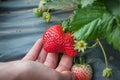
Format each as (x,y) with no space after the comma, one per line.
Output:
(82,71)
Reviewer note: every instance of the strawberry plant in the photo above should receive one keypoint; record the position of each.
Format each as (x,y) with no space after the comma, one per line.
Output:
(91,19)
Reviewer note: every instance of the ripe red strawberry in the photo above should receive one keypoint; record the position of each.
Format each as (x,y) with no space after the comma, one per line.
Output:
(56,41)
(82,72)
(53,39)
(68,44)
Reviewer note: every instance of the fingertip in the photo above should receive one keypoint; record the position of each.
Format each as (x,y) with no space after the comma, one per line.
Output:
(34,51)
(51,60)
(65,63)
(40,40)
(42,56)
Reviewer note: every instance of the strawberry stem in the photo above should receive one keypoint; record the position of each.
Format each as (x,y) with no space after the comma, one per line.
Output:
(93,45)
(106,61)
(81,59)
(48,10)
(74,60)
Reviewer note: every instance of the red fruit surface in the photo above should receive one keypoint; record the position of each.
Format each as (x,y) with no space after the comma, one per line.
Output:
(53,39)
(56,41)
(82,72)
(69,44)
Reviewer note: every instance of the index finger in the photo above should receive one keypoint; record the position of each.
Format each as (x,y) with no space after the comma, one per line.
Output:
(65,63)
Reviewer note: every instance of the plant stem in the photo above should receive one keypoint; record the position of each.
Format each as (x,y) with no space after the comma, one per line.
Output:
(74,60)
(93,45)
(82,60)
(106,61)
(48,10)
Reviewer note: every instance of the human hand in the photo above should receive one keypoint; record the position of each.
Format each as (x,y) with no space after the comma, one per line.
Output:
(48,64)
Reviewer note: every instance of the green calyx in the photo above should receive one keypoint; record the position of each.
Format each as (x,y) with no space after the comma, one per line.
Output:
(80,45)
(79,65)
(108,72)
(46,16)
(37,12)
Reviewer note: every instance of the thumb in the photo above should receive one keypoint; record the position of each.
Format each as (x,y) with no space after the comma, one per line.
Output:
(67,75)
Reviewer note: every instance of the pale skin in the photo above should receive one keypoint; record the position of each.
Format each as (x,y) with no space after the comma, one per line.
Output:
(38,65)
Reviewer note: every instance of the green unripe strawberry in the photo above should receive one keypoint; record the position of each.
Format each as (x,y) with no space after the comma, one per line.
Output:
(108,72)
(46,16)
(37,12)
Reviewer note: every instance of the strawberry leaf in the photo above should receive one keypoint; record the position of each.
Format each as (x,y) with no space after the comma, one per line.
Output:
(83,16)
(94,22)
(113,36)
(113,6)
(61,4)
(84,3)
(96,28)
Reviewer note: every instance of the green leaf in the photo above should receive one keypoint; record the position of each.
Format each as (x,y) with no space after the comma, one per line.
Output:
(95,29)
(113,6)
(94,22)
(84,3)
(113,36)
(61,4)
(85,15)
